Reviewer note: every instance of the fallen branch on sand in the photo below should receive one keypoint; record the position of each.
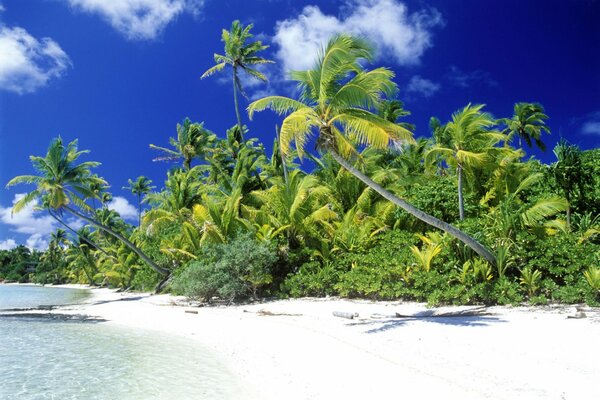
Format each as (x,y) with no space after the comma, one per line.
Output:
(268,313)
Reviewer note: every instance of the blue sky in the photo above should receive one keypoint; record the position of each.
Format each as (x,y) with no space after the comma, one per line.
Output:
(118,75)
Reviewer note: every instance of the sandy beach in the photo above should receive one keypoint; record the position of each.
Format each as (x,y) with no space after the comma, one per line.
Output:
(297,349)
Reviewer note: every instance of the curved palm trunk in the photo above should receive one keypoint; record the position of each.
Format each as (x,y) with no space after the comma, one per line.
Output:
(88,241)
(283,165)
(461,200)
(409,208)
(139,210)
(125,241)
(87,274)
(235,102)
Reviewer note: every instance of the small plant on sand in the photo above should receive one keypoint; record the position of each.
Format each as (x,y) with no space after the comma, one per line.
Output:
(530,279)
(431,248)
(592,277)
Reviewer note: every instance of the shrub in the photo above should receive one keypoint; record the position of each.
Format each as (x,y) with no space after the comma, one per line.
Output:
(231,271)
(312,279)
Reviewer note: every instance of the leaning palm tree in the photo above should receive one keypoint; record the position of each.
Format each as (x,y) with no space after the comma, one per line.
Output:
(528,123)
(193,141)
(466,142)
(239,54)
(65,186)
(336,98)
(140,187)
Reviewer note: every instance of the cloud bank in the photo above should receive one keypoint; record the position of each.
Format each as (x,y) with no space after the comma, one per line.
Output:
(125,209)
(29,222)
(402,36)
(138,19)
(27,63)
(422,86)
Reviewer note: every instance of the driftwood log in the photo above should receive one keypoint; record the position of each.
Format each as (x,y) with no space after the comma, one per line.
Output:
(343,314)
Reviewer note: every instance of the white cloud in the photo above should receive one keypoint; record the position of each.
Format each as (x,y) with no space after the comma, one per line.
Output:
(399,35)
(8,243)
(37,242)
(2,7)
(422,86)
(138,19)
(591,125)
(466,79)
(28,63)
(27,221)
(591,128)
(125,209)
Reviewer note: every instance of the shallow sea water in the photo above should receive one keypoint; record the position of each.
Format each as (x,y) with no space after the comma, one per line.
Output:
(43,358)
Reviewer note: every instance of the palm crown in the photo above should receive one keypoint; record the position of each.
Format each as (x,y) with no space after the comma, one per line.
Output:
(336,98)
(528,123)
(60,181)
(239,54)
(192,141)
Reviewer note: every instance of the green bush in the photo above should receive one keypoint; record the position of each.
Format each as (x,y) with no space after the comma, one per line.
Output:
(312,279)
(232,271)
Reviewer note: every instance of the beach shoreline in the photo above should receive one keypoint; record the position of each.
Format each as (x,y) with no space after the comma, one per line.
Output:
(297,349)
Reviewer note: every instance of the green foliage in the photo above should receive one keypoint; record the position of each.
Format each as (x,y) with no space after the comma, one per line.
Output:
(592,277)
(232,271)
(530,279)
(312,279)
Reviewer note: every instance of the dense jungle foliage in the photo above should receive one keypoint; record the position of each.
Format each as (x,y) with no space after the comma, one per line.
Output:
(467,217)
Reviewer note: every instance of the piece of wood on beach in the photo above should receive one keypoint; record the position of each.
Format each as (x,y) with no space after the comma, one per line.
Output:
(267,313)
(445,313)
(343,314)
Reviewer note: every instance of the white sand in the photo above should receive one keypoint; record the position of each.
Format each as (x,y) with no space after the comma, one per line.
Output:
(516,353)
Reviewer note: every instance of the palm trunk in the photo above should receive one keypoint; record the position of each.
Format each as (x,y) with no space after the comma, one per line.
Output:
(88,241)
(139,210)
(283,166)
(235,102)
(409,208)
(461,200)
(125,241)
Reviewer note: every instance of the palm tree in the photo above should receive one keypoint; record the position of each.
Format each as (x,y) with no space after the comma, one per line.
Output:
(466,142)
(336,98)
(80,254)
(296,206)
(66,185)
(140,187)
(392,110)
(239,54)
(569,173)
(193,141)
(528,123)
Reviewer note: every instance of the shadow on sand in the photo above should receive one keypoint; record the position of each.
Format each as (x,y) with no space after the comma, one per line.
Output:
(385,324)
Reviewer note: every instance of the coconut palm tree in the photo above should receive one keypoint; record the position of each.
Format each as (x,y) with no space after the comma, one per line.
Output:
(80,255)
(335,101)
(239,55)
(466,142)
(295,207)
(569,173)
(193,141)
(393,110)
(140,187)
(528,123)
(66,185)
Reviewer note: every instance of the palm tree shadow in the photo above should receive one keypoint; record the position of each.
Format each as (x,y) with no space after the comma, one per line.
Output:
(99,302)
(383,325)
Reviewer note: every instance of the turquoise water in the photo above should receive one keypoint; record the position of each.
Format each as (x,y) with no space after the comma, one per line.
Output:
(25,296)
(43,358)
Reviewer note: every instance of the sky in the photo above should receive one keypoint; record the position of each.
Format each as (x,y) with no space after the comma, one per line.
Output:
(118,75)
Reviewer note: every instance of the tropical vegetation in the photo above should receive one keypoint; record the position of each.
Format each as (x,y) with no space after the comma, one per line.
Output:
(382,210)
